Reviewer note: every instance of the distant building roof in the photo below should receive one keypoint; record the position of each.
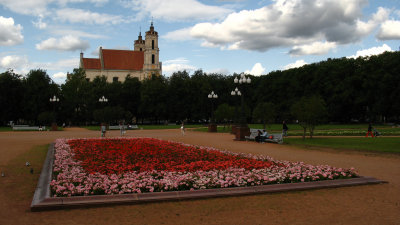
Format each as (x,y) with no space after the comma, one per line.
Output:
(122,59)
(116,60)
(89,63)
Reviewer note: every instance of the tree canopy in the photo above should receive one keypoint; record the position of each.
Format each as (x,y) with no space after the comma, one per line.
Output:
(351,90)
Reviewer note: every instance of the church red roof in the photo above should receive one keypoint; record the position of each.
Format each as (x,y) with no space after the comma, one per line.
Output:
(122,59)
(89,63)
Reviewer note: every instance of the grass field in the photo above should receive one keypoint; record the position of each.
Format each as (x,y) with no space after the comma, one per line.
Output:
(380,144)
(322,130)
(5,129)
(152,127)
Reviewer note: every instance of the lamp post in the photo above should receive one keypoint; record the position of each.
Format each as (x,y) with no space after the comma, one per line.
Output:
(235,92)
(103,124)
(54,100)
(103,99)
(243,130)
(77,112)
(212,127)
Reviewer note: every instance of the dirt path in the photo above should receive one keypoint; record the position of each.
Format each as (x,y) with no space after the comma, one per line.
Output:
(374,204)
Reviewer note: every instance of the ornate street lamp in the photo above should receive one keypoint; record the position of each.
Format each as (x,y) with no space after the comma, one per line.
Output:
(212,127)
(243,130)
(235,92)
(103,99)
(54,100)
(103,125)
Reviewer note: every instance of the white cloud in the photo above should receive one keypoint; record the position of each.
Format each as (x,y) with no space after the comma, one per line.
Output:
(59,75)
(286,23)
(77,33)
(176,10)
(179,35)
(40,7)
(372,51)
(66,43)
(39,23)
(96,2)
(390,30)
(87,17)
(27,7)
(22,65)
(13,62)
(10,34)
(298,63)
(316,48)
(219,71)
(66,64)
(176,65)
(257,70)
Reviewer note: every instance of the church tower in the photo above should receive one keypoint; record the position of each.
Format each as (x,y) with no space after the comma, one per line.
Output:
(152,65)
(139,43)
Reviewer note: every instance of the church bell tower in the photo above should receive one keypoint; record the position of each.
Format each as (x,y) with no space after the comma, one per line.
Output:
(152,65)
(139,43)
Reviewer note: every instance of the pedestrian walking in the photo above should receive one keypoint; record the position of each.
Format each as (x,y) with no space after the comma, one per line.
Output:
(369,130)
(183,129)
(284,129)
(103,130)
(121,129)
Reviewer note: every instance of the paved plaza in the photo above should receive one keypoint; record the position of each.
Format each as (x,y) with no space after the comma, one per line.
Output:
(370,204)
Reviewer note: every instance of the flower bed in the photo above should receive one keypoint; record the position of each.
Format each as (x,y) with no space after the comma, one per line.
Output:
(136,165)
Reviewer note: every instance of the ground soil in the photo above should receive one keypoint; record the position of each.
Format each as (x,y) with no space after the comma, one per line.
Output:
(369,204)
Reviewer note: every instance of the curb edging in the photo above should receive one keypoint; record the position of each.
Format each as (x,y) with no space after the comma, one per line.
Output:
(43,201)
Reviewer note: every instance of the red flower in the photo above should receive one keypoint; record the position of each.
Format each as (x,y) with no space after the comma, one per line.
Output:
(108,156)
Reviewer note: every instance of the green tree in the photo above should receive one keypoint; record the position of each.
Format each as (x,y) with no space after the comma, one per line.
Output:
(76,97)
(39,88)
(224,113)
(130,96)
(179,99)
(11,97)
(154,98)
(265,111)
(309,111)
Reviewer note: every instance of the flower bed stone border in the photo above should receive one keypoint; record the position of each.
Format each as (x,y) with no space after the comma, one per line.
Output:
(43,201)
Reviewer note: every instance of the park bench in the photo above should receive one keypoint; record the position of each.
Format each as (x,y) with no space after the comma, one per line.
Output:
(26,127)
(253,135)
(273,138)
(126,127)
(133,127)
(115,127)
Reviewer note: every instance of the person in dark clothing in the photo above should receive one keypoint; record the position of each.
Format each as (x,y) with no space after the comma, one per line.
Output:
(369,130)
(284,129)
(258,138)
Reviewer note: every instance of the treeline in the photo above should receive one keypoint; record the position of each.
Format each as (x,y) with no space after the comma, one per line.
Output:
(362,89)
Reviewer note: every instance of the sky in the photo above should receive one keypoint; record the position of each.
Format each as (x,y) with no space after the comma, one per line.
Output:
(217,36)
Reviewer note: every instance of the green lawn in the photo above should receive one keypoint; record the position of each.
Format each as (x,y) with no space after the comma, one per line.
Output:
(322,130)
(5,129)
(152,127)
(380,144)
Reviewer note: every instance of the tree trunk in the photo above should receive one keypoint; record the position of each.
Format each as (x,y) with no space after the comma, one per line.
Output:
(311,131)
(304,132)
